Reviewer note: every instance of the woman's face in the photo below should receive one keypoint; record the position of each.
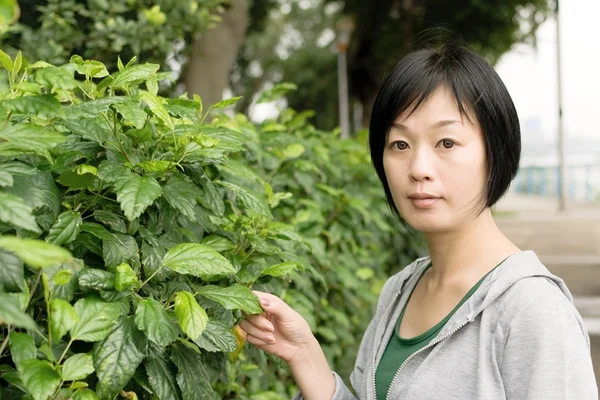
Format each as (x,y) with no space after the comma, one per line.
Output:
(435,164)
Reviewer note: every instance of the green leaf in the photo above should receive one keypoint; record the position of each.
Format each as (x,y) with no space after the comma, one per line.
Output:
(281,269)
(136,193)
(95,130)
(226,102)
(96,319)
(13,210)
(152,318)
(191,317)
(65,229)
(27,138)
(157,108)
(125,277)
(97,279)
(35,253)
(6,179)
(39,378)
(12,278)
(277,91)
(6,61)
(77,367)
(73,180)
(64,291)
(236,297)
(117,357)
(97,230)
(87,169)
(22,347)
(217,338)
(293,150)
(197,260)
(134,73)
(248,200)
(181,195)
(119,249)
(156,166)
(18,62)
(94,69)
(45,105)
(183,108)
(192,377)
(84,394)
(62,277)
(92,108)
(162,378)
(55,77)
(132,112)
(218,243)
(62,318)
(17,168)
(114,221)
(211,198)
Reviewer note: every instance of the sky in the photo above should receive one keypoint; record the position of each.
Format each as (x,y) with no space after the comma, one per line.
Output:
(531,78)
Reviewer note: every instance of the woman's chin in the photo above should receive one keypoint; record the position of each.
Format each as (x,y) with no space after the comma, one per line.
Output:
(427,223)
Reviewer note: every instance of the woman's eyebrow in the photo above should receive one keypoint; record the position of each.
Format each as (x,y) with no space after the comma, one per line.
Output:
(438,124)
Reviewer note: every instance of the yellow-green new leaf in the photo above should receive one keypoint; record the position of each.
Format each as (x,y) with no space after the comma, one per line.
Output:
(34,252)
(78,366)
(39,378)
(152,318)
(191,317)
(22,347)
(125,277)
(62,318)
(197,260)
(236,297)
(158,108)
(281,269)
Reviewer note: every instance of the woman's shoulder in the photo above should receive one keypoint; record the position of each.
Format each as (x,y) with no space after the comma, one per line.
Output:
(537,298)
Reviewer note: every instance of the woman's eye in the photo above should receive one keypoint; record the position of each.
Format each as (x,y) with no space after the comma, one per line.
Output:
(400,145)
(447,143)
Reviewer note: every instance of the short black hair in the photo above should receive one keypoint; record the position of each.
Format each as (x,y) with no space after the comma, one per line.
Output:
(477,89)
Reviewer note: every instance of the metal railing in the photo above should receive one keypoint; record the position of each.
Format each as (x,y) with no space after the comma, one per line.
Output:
(583,182)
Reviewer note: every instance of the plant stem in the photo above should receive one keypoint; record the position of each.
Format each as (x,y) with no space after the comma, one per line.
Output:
(65,351)
(5,341)
(34,287)
(114,131)
(152,276)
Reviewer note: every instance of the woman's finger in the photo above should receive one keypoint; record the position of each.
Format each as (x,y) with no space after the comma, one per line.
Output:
(260,321)
(255,331)
(260,343)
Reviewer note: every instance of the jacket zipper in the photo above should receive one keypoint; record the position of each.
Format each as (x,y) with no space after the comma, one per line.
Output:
(375,343)
(419,351)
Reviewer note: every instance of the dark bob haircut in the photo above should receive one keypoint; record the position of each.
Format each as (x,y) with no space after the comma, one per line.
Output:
(479,92)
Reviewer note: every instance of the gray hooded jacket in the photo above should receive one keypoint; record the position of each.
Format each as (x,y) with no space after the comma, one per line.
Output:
(519,336)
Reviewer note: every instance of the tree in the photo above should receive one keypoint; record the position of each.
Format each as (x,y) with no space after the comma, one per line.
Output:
(385,31)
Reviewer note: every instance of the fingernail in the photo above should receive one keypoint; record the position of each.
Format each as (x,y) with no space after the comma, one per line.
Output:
(264,302)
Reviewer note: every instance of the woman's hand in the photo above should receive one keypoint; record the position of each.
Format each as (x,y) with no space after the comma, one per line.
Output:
(283,332)
(280,330)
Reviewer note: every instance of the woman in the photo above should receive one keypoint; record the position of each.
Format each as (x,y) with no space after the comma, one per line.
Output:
(478,318)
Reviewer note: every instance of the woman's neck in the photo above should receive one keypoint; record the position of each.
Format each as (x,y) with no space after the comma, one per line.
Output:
(464,255)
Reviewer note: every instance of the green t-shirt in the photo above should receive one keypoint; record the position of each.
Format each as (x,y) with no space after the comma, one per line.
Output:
(399,348)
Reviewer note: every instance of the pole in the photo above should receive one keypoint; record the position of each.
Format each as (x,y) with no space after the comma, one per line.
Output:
(343,94)
(562,204)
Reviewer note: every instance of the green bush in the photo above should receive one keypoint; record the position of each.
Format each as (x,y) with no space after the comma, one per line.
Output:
(132,232)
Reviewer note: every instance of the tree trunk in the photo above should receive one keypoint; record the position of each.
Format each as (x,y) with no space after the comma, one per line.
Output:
(207,70)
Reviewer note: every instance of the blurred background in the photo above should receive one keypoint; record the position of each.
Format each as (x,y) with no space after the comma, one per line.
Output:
(330,56)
